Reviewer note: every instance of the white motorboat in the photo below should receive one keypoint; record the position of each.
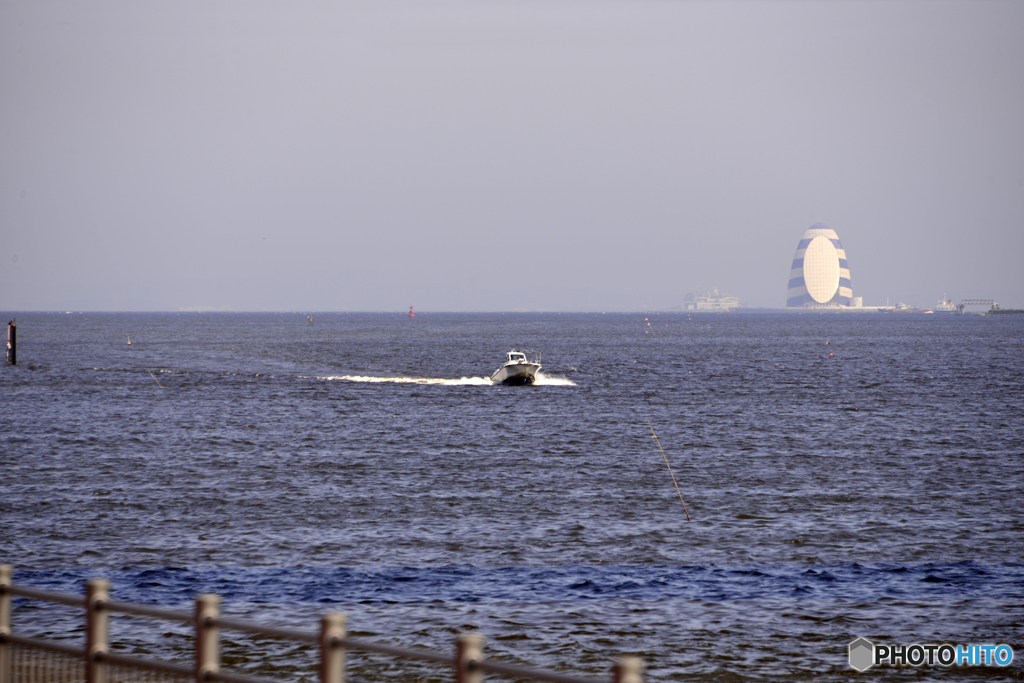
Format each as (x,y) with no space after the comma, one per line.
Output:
(518,368)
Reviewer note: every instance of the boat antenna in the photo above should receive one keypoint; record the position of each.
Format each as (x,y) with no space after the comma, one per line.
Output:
(670,471)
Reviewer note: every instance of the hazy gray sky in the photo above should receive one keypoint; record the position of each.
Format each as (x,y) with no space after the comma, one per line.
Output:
(503,155)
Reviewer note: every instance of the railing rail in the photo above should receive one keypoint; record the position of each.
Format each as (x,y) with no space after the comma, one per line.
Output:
(468,661)
(146,611)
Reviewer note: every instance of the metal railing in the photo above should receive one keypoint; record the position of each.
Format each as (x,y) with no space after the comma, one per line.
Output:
(531,355)
(468,661)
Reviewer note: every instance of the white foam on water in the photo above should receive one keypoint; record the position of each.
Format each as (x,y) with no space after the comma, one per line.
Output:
(545,380)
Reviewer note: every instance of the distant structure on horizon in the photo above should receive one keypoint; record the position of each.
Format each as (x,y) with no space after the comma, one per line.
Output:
(820,275)
(703,300)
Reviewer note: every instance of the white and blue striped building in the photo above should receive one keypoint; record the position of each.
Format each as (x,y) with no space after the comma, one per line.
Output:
(820,275)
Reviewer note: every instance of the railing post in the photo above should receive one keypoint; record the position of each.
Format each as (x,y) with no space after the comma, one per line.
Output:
(469,650)
(628,670)
(97,629)
(6,579)
(332,652)
(207,636)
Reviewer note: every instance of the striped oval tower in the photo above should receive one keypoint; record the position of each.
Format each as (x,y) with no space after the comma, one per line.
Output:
(820,275)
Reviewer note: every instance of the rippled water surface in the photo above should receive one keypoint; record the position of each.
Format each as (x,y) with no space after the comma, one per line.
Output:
(870,486)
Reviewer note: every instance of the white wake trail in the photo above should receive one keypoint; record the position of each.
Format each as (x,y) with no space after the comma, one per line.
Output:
(542,380)
(467,381)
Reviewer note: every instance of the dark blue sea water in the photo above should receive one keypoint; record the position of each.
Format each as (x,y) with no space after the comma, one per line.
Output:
(870,486)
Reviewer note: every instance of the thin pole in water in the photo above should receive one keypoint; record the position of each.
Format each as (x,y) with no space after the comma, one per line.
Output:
(670,471)
(155,379)
(12,343)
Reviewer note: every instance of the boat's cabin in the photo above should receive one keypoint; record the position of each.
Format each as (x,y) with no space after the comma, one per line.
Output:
(516,357)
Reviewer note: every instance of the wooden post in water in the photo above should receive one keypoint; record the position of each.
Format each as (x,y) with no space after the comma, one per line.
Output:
(12,343)
(6,578)
(97,629)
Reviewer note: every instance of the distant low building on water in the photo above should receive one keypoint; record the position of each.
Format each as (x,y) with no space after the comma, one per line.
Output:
(703,300)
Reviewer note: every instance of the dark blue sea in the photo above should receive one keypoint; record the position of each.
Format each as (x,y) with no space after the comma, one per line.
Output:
(845,476)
